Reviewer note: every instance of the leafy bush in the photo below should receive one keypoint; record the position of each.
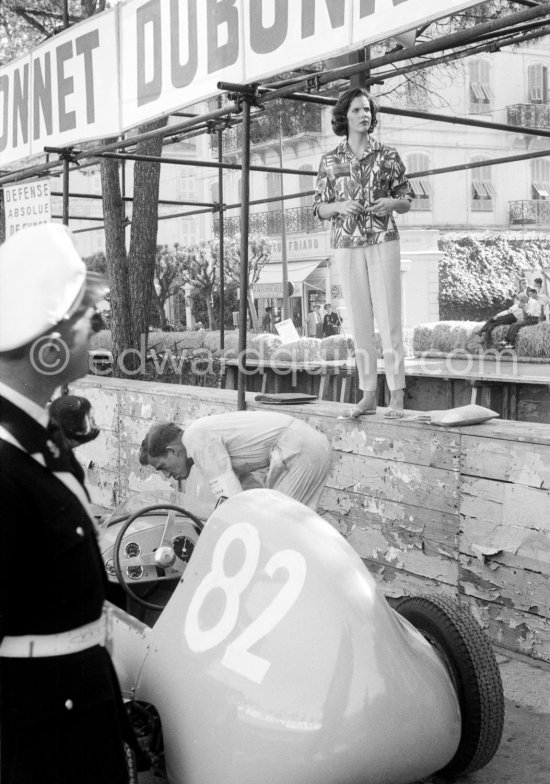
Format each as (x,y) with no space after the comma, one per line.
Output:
(478,277)
(441,337)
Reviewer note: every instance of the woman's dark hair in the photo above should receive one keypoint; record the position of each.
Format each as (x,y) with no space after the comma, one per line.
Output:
(339,113)
(157,440)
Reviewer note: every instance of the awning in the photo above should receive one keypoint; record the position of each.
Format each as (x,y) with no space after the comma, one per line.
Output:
(270,282)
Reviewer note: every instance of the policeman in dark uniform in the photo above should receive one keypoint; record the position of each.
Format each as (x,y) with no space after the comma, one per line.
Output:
(62,719)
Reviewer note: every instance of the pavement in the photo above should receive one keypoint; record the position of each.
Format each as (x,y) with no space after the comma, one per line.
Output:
(523,756)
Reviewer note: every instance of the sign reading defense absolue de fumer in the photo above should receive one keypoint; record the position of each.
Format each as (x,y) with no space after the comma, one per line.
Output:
(146,58)
(26,204)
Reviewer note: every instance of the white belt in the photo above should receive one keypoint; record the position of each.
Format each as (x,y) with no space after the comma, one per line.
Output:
(38,645)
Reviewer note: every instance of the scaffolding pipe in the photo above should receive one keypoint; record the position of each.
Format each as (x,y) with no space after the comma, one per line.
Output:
(170,130)
(445,118)
(411,176)
(459,38)
(243,304)
(194,162)
(222,237)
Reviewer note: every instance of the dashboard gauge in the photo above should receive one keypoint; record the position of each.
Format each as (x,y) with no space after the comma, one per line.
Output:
(110,567)
(132,550)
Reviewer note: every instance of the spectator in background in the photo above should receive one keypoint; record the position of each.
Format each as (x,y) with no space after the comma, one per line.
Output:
(532,316)
(331,322)
(515,313)
(267,321)
(315,322)
(544,299)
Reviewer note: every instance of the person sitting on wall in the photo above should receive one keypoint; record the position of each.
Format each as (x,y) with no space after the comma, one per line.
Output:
(511,315)
(227,448)
(532,316)
(544,299)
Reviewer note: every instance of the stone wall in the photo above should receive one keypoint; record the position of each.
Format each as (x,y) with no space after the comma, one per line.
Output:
(461,511)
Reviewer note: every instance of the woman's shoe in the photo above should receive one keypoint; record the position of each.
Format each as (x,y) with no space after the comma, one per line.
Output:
(395,411)
(367,405)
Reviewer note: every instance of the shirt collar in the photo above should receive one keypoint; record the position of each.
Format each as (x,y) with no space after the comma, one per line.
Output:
(344,148)
(25,404)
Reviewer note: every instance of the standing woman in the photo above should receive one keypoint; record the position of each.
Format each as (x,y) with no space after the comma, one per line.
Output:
(360,184)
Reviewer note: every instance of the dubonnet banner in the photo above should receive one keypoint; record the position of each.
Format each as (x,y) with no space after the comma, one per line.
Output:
(147,58)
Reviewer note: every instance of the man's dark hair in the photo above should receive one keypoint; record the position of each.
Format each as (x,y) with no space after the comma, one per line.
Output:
(157,440)
(339,120)
(532,291)
(538,280)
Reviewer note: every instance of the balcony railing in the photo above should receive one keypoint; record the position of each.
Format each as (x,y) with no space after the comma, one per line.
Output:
(529,115)
(264,129)
(297,219)
(530,211)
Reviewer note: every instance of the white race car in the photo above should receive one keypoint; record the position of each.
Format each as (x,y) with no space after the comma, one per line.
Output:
(274,658)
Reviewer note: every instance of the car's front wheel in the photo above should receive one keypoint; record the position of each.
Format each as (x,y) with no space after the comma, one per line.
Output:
(467,652)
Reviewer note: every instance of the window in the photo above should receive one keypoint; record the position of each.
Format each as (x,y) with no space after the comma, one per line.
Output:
(215,192)
(481,96)
(273,189)
(186,181)
(537,83)
(540,178)
(483,192)
(421,186)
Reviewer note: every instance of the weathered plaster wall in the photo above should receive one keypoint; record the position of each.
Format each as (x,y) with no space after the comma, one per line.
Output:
(463,512)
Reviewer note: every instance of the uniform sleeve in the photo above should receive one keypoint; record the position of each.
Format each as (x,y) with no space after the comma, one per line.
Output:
(324,192)
(212,459)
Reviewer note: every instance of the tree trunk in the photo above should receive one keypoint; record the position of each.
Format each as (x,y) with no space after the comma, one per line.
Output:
(131,273)
(210,312)
(253,313)
(159,307)
(117,260)
(143,236)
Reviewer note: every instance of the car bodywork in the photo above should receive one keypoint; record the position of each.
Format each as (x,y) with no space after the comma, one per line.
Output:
(276,658)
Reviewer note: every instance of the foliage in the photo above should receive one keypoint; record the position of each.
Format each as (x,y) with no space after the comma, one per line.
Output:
(96,263)
(230,305)
(169,268)
(478,277)
(199,266)
(259,252)
(23,26)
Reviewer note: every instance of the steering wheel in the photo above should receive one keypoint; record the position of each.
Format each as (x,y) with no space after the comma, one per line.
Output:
(170,550)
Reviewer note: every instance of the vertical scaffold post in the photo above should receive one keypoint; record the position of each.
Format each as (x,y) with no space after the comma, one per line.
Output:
(243,304)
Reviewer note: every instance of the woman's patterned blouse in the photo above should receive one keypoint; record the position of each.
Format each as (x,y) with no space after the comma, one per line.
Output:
(379,172)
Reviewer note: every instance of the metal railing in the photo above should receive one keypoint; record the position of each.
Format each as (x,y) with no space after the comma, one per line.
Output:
(529,115)
(530,211)
(297,219)
(263,131)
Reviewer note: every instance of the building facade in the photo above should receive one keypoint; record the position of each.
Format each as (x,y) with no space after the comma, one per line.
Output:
(508,87)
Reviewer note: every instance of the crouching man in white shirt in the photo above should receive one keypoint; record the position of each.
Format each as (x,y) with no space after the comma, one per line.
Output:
(228,448)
